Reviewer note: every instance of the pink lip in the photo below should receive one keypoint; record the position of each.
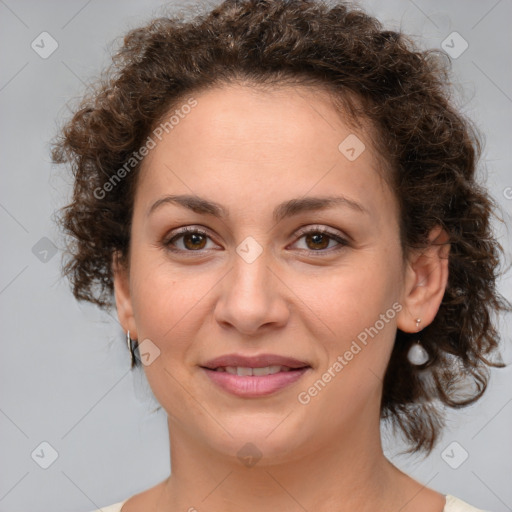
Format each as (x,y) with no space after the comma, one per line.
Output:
(259,361)
(253,385)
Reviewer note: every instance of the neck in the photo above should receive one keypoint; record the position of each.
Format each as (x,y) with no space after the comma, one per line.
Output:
(349,473)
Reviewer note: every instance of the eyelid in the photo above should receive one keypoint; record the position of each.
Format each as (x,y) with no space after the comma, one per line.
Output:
(320,228)
(341,239)
(183,231)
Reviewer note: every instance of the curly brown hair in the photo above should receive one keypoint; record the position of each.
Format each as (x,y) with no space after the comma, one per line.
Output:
(404,93)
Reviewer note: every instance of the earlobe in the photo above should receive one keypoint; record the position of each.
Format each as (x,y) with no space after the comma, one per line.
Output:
(120,276)
(425,281)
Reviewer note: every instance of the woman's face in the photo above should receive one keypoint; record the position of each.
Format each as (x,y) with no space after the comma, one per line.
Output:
(263,280)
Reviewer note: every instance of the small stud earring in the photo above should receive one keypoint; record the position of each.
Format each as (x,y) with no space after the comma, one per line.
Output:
(417,355)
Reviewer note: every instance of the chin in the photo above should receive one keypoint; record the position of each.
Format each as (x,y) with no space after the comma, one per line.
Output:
(263,443)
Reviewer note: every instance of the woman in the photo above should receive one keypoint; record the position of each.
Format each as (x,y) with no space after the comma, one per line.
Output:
(281,201)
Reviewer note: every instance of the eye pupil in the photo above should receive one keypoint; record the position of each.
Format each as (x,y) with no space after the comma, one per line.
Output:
(317,239)
(195,237)
(195,241)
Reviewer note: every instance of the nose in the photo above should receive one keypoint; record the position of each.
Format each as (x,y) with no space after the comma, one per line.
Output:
(252,298)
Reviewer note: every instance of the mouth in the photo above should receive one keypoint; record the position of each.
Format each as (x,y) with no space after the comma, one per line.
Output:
(254,376)
(254,362)
(243,371)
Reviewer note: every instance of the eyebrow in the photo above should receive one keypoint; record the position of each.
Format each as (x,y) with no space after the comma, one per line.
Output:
(286,209)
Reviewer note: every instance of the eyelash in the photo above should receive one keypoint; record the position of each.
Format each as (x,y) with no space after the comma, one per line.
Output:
(302,232)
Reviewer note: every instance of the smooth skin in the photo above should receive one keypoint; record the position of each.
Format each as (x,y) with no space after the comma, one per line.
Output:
(305,296)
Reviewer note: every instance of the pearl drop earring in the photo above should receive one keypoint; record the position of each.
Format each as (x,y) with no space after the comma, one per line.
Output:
(417,354)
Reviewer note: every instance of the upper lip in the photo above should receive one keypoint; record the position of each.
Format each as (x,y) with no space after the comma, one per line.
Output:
(259,361)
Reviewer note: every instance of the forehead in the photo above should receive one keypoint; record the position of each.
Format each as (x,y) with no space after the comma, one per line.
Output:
(250,118)
(248,141)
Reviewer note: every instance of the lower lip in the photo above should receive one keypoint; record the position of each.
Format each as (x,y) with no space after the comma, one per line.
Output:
(253,385)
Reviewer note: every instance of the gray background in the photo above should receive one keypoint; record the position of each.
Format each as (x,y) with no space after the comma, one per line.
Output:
(64,367)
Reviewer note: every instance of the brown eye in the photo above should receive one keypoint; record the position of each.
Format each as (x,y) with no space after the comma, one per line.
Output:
(319,239)
(193,240)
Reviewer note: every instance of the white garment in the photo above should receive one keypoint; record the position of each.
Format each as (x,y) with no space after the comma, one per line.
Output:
(453,504)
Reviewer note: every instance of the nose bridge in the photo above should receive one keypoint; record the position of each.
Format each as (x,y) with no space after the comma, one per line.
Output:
(250,297)
(251,275)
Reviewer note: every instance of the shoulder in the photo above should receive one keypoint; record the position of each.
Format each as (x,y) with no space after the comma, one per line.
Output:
(454,504)
(116,507)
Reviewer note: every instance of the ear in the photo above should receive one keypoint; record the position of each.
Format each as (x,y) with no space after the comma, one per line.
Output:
(426,277)
(121,278)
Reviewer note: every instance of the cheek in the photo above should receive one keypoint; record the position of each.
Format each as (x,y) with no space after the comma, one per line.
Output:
(168,311)
(171,304)
(352,297)
(171,301)
(358,305)
(164,305)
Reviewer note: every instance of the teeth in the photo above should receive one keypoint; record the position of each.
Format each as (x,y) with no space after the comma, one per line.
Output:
(244,371)
(267,370)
